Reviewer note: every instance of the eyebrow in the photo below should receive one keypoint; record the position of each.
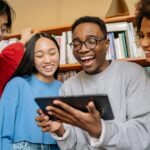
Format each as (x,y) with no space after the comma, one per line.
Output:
(88,36)
(39,50)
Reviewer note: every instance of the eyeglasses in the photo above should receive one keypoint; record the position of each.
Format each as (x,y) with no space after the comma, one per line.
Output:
(90,43)
(4,31)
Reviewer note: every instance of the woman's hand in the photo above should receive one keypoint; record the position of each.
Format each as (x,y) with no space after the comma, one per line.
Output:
(47,125)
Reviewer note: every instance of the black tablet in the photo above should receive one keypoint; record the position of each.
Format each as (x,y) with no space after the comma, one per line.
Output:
(79,102)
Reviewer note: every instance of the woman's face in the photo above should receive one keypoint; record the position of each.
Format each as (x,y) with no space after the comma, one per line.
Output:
(46,59)
(3,27)
(145,37)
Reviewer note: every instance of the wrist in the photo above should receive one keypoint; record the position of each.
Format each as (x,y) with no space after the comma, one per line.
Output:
(60,132)
(96,133)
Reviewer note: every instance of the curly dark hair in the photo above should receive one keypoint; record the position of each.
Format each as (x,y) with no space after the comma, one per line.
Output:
(91,19)
(143,11)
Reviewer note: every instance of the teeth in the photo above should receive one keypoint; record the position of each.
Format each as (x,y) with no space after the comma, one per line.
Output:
(147,52)
(48,67)
(86,58)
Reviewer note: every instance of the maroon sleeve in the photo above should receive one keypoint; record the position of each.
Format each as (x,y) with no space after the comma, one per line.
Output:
(9,60)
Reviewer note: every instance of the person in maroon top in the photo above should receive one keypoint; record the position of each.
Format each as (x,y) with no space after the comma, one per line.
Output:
(11,55)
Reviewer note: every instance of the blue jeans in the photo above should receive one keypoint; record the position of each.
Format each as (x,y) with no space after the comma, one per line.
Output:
(31,146)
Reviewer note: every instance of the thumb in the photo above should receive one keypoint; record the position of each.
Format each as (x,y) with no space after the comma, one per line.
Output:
(91,107)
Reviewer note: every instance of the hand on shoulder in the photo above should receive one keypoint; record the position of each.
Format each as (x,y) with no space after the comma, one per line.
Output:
(26,35)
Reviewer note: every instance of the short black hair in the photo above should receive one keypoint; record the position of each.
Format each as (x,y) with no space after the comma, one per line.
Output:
(91,19)
(143,11)
(6,9)
(26,67)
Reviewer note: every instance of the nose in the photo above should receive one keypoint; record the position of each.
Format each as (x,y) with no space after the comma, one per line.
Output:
(83,48)
(47,59)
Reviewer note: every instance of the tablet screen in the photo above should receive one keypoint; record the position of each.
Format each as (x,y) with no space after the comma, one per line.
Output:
(79,102)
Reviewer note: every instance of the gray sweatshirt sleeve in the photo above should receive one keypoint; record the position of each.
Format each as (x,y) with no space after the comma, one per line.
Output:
(134,133)
(67,142)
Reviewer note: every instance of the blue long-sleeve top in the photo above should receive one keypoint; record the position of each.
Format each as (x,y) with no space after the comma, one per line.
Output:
(18,111)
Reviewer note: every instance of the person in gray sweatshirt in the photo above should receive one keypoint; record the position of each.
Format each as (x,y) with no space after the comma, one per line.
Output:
(126,84)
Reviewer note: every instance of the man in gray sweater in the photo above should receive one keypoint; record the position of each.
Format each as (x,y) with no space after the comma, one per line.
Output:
(126,84)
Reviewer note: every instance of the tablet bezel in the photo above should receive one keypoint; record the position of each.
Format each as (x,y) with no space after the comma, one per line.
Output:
(79,102)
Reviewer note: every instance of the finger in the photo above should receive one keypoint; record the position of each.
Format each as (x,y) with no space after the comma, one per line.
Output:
(42,118)
(91,107)
(43,124)
(61,114)
(67,108)
(40,112)
(46,129)
(92,110)
(65,119)
(39,118)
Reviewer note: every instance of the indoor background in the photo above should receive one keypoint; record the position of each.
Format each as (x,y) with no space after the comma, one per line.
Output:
(40,14)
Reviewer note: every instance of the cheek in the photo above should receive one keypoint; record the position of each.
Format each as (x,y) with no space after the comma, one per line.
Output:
(75,55)
(101,52)
(37,62)
(56,59)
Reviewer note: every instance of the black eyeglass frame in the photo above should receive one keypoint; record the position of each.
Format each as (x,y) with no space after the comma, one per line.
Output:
(97,39)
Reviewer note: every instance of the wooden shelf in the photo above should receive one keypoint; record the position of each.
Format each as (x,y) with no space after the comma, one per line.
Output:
(120,19)
(70,67)
(77,67)
(52,30)
(57,30)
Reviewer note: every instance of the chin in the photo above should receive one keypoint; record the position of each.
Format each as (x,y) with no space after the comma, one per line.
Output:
(90,71)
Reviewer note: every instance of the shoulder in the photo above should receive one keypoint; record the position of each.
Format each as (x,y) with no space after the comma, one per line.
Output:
(128,70)
(15,87)
(17,82)
(73,80)
(127,66)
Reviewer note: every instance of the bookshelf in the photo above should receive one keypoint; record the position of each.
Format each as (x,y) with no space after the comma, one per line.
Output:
(77,67)
(57,30)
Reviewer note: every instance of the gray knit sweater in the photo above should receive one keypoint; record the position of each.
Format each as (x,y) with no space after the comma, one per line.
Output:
(128,88)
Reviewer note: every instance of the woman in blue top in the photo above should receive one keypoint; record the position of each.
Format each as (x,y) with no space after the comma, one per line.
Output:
(36,76)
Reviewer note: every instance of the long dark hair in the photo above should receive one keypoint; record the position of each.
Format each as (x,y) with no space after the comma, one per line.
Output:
(6,9)
(26,67)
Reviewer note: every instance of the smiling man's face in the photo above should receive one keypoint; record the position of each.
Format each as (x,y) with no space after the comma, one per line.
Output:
(92,60)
